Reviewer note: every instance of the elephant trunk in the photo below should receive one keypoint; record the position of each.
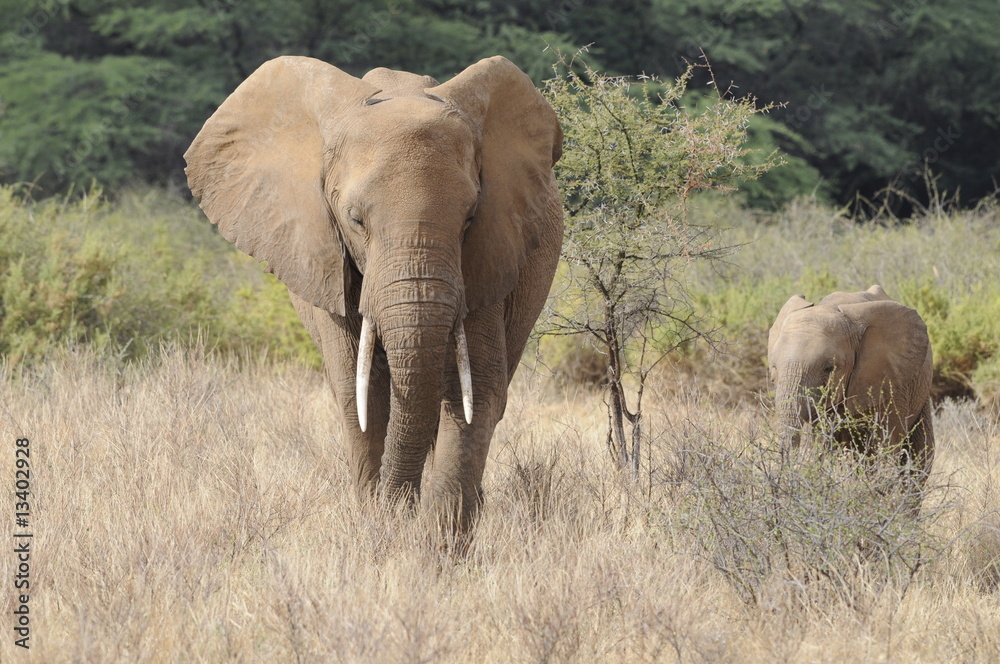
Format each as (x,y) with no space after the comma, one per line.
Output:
(416,368)
(792,407)
(415,317)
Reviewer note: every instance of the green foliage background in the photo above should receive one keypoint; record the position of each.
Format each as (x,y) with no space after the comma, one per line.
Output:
(873,91)
(147,268)
(105,95)
(130,275)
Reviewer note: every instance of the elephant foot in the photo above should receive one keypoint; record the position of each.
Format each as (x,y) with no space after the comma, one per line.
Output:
(406,494)
(453,507)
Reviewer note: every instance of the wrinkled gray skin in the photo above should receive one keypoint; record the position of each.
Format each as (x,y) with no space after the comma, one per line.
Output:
(425,210)
(870,352)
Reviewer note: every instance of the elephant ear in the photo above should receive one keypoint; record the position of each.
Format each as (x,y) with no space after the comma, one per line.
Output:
(258,167)
(893,351)
(793,304)
(520,142)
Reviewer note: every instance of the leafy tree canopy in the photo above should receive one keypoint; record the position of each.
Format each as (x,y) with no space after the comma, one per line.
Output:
(874,92)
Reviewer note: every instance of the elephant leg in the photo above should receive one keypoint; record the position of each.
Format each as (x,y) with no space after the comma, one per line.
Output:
(920,442)
(497,336)
(338,340)
(453,487)
(364,448)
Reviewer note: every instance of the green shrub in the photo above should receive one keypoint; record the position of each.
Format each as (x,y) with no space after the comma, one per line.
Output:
(964,327)
(130,274)
(573,360)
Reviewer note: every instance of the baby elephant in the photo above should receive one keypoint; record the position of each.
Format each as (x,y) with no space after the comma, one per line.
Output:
(872,356)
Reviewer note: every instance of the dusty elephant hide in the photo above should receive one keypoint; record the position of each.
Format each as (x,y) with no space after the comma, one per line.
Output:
(415,223)
(863,355)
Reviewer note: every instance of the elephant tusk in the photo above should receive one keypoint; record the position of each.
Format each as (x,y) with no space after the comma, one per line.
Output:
(365,352)
(464,370)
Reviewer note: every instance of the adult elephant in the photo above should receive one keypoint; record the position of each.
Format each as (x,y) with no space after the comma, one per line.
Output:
(872,357)
(417,226)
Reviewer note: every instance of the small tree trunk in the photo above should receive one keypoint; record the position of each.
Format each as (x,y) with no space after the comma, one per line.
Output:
(617,404)
(617,408)
(636,443)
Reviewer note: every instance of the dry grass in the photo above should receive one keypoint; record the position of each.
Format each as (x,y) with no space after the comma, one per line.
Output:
(191,510)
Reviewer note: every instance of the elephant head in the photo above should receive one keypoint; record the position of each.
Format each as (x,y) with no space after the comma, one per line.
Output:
(861,352)
(392,201)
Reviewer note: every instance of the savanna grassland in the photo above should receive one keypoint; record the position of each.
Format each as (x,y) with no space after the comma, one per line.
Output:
(191,501)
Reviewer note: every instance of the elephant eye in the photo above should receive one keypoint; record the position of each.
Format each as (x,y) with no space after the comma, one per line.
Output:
(828,368)
(355,217)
